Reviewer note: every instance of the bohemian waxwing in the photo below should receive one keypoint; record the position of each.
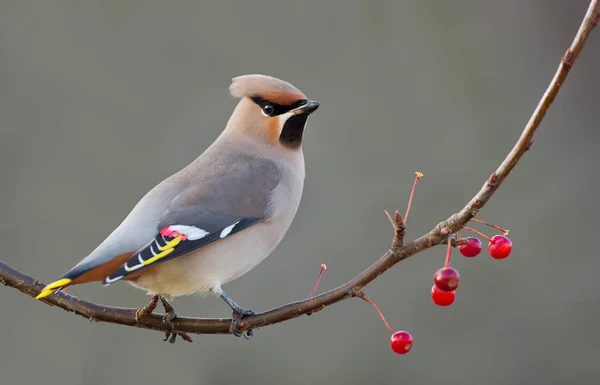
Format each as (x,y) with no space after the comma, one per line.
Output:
(221,215)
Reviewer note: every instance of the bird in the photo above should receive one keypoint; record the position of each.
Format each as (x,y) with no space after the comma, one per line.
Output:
(218,217)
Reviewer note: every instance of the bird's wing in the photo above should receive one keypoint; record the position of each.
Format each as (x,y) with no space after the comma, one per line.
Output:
(176,240)
(203,213)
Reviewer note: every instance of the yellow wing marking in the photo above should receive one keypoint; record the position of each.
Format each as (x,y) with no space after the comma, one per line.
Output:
(164,251)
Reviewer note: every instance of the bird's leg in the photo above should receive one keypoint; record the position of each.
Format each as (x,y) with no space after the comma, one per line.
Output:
(238,313)
(234,306)
(170,315)
(145,312)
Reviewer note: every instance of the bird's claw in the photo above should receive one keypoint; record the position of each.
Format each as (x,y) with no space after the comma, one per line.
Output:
(236,319)
(238,313)
(168,319)
(246,312)
(246,333)
(143,314)
(170,335)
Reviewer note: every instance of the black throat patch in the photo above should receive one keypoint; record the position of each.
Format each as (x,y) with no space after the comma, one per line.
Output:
(291,134)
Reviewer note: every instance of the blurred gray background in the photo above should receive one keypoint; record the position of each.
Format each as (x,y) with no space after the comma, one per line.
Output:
(101,100)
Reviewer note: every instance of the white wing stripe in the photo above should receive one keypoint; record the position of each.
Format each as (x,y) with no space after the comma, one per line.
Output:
(228,229)
(193,233)
(112,280)
(132,268)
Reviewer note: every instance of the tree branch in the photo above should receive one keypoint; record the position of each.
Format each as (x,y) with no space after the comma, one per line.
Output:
(397,253)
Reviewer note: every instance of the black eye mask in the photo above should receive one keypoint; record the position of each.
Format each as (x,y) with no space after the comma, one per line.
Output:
(276,109)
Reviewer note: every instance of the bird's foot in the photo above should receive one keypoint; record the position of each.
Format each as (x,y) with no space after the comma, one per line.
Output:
(145,312)
(236,319)
(237,324)
(168,319)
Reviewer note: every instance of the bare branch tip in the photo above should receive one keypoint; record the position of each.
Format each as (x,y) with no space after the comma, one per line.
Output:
(399,220)
(390,219)
(316,285)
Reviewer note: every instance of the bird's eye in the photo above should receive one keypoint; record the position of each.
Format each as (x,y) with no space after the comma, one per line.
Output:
(268,109)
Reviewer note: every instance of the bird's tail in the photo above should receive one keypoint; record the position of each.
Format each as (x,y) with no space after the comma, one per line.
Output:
(86,271)
(54,286)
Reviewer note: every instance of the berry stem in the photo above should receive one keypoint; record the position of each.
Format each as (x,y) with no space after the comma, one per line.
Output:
(362,296)
(323,268)
(448,252)
(477,232)
(504,231)
(412,192)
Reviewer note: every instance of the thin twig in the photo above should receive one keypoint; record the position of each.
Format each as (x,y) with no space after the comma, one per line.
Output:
(312,292)
(412,193)
(31,287)
(389,217)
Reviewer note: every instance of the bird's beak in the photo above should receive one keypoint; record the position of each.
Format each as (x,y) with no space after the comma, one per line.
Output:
(308,108)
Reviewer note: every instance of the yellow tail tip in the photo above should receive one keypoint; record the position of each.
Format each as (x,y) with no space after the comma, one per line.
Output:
(44,294)
(52,287)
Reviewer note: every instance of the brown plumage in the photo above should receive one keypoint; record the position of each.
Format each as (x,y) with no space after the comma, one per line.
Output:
(269,88)
(100,272)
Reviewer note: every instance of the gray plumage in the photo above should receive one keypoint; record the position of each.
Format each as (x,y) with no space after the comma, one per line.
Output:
(232,184)
(232,205)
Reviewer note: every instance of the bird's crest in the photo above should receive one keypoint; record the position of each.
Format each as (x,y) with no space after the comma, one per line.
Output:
(267,87)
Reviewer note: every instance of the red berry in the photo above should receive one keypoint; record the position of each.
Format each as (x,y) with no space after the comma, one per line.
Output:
(499,247)
(401,342)
(446,279)
(471,247)
(442,298)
